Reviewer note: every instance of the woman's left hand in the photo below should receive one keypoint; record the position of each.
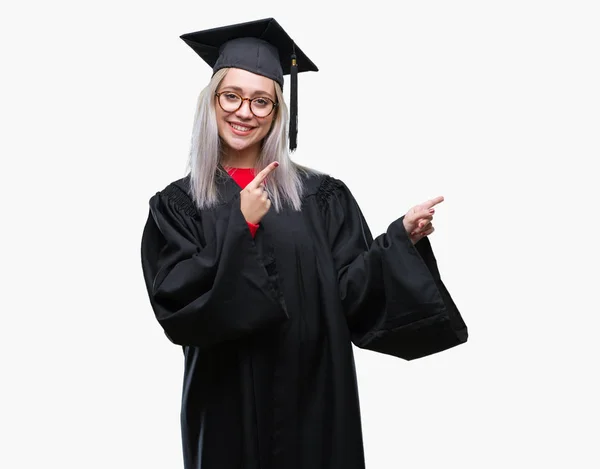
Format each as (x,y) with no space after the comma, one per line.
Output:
(418,220)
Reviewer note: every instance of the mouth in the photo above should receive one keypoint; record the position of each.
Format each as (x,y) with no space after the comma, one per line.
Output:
(240,129)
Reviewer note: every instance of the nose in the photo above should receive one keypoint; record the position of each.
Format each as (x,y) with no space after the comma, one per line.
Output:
(244,111)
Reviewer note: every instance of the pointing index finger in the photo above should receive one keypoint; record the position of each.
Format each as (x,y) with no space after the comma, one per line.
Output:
(432,202)
(260,177)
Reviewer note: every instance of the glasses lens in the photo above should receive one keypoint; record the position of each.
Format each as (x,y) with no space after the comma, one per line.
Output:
(229,101)
(261,107)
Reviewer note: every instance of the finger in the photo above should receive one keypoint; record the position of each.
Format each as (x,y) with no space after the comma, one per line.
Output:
(432,202)
(429,231)
(264,196)
(421,231)
(415,217)
(260,177)
(423,219)
(256,193)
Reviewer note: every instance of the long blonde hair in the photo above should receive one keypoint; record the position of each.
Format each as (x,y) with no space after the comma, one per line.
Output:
(285,185)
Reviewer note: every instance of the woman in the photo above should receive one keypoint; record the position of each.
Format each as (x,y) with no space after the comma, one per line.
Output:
(265,273)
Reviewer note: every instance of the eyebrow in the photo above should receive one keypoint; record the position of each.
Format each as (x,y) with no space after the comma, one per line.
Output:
(256,93)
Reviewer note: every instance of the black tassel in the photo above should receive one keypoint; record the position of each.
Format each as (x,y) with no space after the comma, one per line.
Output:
(293,103)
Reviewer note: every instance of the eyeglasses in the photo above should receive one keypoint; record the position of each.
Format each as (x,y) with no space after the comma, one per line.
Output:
(231,102)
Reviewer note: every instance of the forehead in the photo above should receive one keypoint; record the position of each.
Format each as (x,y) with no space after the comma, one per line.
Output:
(247,81)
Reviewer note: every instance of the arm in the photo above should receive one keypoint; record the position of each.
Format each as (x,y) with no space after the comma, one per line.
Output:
(205,293)
(390,289)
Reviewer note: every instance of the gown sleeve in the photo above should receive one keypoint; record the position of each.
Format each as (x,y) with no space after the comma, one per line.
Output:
(203,292)
(391,290)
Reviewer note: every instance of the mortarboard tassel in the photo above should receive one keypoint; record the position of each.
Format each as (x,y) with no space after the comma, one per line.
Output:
(293,102)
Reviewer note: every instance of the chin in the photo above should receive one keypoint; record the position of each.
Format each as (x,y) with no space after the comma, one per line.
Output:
(237,145)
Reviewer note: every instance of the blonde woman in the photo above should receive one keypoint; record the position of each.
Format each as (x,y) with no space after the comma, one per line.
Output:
(265,272)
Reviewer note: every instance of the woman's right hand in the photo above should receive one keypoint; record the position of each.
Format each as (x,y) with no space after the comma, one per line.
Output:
(254,200)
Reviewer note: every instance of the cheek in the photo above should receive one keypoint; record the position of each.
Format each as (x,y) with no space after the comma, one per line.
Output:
(265,128)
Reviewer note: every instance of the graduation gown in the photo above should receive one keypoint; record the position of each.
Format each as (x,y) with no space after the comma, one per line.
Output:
(267,323)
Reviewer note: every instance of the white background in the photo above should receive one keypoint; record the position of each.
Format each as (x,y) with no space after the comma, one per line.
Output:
(495,105)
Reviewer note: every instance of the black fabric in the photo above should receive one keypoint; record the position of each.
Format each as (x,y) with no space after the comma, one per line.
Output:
(262,47)
(267,324)
(416,314)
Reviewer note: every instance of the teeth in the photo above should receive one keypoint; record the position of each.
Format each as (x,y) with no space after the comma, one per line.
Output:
(240,128)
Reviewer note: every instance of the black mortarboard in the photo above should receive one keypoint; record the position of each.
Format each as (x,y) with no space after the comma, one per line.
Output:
(260,47)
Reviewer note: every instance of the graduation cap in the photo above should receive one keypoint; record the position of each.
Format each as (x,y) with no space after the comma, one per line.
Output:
(260,47)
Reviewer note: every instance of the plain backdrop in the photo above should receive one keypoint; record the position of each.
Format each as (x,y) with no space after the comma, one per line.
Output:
(494,105)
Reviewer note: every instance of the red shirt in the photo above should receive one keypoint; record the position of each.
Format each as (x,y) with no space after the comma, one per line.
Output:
(242,177)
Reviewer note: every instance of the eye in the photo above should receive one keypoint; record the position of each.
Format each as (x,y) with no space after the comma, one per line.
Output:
(231,96)
(262,102)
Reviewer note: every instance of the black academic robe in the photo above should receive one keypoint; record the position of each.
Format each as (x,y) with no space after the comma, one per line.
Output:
(267,323)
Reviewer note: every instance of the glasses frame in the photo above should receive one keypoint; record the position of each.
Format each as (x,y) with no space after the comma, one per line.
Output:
(218,96)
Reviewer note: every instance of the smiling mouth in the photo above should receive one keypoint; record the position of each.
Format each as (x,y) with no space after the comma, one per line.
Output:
(240,128)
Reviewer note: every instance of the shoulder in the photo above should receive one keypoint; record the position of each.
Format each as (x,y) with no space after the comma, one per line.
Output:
(317,182)
(321,186)
(177,195)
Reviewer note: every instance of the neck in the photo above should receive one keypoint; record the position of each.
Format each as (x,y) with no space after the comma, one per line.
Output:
(245,158)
